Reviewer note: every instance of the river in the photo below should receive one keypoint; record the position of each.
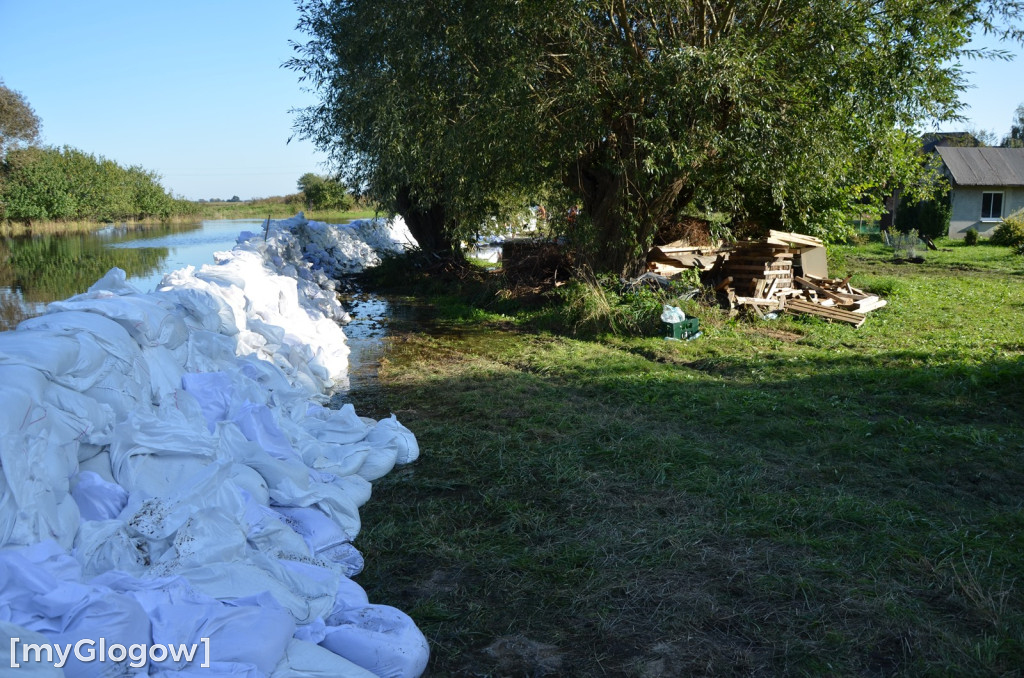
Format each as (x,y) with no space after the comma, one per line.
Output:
(35,270)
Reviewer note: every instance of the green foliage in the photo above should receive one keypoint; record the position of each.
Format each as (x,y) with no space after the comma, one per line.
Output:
(18,122)
(1015,139)
(929,217)
(971,237)
(321,193)
(593,305)
(779,114)
(1010,233)
(39,183)
(905,244)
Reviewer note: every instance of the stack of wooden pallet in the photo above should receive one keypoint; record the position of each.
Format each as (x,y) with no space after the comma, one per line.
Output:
(758,273)
(772,274)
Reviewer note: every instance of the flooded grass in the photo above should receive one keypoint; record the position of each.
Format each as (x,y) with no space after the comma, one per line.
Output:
(776,498)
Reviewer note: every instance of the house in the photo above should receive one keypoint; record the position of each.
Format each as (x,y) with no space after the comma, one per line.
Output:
(987,184)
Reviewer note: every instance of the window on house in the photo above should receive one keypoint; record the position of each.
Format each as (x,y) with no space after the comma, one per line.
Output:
(991,205)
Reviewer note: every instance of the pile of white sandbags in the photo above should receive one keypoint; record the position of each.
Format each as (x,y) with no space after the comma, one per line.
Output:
(170,478)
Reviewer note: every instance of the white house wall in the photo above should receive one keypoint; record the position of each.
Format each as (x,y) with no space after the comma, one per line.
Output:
(966,209)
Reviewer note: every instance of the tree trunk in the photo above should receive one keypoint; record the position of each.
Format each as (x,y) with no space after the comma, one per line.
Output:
(427,224)
(624,216)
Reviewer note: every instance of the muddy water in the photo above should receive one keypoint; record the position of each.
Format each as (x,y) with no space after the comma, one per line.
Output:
(378,321)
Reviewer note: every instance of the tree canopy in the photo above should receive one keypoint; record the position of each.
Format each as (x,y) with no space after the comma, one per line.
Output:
(18,122)
(60,184)
(322,193)
(780,113)
(1015,139)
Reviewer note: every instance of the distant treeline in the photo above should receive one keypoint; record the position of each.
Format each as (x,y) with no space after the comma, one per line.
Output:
(65,184)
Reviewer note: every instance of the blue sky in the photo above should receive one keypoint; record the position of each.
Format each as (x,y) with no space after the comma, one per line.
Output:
(193,89)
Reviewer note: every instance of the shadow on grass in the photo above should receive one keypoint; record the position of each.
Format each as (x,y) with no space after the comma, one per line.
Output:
(581,510)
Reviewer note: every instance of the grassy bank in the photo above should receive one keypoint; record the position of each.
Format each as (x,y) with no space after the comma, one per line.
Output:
(225,210)
(775,498)
(260,209)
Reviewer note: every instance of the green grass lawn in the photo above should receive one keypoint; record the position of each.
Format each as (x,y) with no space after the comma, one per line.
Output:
(782,497)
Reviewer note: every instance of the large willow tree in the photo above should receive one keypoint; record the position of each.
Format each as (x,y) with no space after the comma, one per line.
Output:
(784,113)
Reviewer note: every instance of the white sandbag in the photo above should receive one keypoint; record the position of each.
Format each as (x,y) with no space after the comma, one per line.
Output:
(75,361)
(267,532)
(250,631)
(105,545)
(381,639)
(37,476)
(206,307)
(344,556)
(149,323)
(258,424)
(379,462)
(165,372)
(337,427)
(8,509)
(156,452)
(97,498)
(306,660)
(76,417)
(213,391)
(284,477)
(106,332)
(304,598)
(389,432)
(250,482)
(317,530)
(214,670)
(340,460)
(42,593)
(22,664)
(99,464)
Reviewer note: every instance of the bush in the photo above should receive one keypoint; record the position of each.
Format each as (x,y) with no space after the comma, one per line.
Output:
(971,237)
(595,305)
(904,245)
(929,218)
(64,184)
(1010,233)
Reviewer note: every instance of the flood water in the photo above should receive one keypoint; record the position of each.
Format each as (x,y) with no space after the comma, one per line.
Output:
(35,270)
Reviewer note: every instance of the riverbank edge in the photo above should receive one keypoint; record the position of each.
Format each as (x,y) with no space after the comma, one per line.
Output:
(12,229)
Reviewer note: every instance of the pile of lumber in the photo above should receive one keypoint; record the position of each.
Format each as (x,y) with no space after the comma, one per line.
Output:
(759,274)
(783,272)
(675,258)
(833,299)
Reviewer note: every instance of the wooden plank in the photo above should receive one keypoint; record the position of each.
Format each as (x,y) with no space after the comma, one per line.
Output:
(722,285)
(757,301)
(798,238)
(745,267)
(797,306)
(804,282)
(869,304)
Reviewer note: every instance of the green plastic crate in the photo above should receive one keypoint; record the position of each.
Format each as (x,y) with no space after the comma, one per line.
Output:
(684,329)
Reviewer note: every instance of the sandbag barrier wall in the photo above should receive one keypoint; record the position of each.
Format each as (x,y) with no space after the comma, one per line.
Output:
(170,477)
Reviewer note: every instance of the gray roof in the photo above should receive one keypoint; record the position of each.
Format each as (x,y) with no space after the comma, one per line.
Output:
(984,166)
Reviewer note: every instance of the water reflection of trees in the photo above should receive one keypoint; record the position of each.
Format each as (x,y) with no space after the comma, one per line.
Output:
(13,309)
(47,268)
